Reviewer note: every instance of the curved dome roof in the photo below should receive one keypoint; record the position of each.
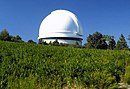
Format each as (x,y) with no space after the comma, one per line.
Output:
(60,23)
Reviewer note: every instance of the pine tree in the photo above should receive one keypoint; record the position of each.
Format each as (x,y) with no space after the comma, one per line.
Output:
(31,41)
(121,43)
(16,38)
(4,35)
(96,41)
(56,43)
(111,42)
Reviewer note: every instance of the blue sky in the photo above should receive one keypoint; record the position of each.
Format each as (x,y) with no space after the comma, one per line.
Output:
(23,17)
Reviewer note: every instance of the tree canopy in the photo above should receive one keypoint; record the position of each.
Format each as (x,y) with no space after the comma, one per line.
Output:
(96,41)
(121,43)
(111,42)
(4,35)
(31,41)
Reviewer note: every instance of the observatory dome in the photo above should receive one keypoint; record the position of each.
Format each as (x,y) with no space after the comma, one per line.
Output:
(62,25)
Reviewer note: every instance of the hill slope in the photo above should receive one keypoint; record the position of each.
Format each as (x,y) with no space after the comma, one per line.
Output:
(38,66)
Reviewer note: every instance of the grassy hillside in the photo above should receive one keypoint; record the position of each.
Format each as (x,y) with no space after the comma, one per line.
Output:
(33,66)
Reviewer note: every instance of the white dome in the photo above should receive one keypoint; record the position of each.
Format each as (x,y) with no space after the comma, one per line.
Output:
(60,23)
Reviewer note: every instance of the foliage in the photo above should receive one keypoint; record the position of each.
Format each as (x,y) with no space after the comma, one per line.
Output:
(121,43)
(96,41)
(4,35)
(35,66)
(31,41)
(99,41)
(55,43)
(127,75)
(112,44)
(111,41)
(16,38)
(41,41)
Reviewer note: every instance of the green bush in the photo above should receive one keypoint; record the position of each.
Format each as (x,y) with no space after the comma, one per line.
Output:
(36,66)
(127,75)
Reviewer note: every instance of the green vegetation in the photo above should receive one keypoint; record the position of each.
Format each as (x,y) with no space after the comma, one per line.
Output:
(121,43)
(99,41)
(5,36)
(96,41)
(36,66)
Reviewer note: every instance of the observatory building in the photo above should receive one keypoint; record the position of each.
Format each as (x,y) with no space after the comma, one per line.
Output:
(62,25)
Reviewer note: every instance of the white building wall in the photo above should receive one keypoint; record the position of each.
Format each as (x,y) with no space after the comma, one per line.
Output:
(63,41)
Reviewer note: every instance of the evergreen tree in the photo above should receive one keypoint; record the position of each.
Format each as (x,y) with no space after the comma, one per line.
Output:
(4,35)
(16,38)
(45,43)
(31,41)
(56,43)
(40,41)
(111,42)
(121,43)
(96,41)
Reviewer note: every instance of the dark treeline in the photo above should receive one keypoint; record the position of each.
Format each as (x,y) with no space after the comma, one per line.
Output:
(100,41)
(5,36)
(95,40)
